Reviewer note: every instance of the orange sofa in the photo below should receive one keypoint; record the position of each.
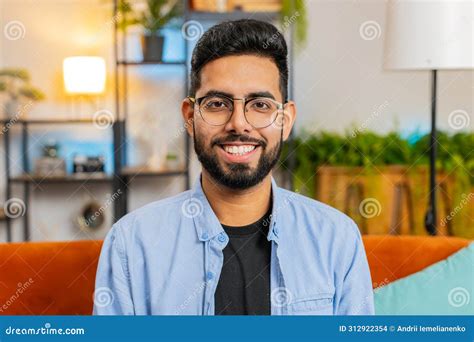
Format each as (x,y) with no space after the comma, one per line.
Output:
(57,278)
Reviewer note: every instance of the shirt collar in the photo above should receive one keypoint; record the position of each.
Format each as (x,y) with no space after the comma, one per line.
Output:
(205,220)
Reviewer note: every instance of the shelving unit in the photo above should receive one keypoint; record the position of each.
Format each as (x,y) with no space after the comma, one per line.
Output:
(27,178)
(124,173)
(80,178)
(150,63)
(139,171)
(235,15)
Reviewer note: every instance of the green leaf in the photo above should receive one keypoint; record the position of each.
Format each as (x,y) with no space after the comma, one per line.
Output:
(21,74)
(31,93)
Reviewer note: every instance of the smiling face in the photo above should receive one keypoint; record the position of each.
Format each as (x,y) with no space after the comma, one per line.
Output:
(236,154)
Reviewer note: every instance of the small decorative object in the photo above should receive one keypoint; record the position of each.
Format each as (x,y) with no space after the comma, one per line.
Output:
(50,165)
(88,164)
(158,14)
(255,5)
(51,149)
(172,161)
(222,5)
(20,94)
(91,217)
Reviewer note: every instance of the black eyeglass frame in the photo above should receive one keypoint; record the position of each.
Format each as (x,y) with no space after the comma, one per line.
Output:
(280,107)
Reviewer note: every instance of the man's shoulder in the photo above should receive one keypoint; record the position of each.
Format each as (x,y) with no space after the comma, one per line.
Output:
(155,211)
(313,206)
(322,215)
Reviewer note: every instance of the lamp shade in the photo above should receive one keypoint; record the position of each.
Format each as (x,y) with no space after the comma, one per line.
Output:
(429,34)
(84,75)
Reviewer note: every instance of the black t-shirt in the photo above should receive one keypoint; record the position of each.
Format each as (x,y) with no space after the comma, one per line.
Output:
(244,283)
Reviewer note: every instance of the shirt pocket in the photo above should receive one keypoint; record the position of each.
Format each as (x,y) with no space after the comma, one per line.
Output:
(316,304)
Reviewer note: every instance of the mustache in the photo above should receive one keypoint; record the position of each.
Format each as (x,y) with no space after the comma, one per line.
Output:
(239,138)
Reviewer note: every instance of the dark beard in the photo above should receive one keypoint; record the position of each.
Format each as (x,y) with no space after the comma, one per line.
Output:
(240,176)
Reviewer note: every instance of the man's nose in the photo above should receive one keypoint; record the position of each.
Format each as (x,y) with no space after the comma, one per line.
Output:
(238,123)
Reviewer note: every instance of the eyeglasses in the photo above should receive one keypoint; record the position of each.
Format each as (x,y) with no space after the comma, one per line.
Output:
(216,110)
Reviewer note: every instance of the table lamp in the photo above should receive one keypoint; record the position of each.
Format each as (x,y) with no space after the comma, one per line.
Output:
(84,76)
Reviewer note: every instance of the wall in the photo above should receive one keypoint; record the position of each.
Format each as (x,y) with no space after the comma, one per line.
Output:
(340,77)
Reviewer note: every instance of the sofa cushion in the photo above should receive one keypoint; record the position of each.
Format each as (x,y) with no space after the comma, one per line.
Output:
(48,278)
(393,257)
(444,288)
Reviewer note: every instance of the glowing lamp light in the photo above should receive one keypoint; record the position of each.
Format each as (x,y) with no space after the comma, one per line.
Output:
(84,75)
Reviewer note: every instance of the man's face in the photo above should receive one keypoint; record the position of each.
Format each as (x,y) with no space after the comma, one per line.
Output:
(217,147)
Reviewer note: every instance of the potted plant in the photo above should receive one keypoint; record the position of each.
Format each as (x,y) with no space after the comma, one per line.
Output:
(294,13)
(342,170)
(16,84)
(156,15)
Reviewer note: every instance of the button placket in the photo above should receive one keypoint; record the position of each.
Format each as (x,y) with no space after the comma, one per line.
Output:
(215,260)
(276,276)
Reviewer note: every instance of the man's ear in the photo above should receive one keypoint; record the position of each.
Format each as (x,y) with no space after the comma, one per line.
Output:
(187,110)
(289,117)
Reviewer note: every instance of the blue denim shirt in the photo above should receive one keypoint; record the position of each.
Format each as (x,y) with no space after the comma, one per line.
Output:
(165,258)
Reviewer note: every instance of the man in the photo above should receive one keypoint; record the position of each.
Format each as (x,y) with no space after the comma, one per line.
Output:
(236,243)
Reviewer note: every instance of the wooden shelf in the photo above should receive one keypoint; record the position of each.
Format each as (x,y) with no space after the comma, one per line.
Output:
(233,15)
(147,171)
(48,121)
(151,63)
(72,178)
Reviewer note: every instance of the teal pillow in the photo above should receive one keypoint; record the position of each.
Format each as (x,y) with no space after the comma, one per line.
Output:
(444,288)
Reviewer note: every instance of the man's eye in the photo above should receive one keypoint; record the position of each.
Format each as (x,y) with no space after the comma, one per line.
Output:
(216,105)
(261,106)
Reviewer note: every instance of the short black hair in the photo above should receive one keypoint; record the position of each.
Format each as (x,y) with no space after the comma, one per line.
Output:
(240,37)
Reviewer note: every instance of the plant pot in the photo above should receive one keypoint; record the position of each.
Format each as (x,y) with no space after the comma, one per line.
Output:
(152,47)
(369,197)
(396,199)
(12,110)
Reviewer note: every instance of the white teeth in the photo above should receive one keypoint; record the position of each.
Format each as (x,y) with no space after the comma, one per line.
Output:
(239,150)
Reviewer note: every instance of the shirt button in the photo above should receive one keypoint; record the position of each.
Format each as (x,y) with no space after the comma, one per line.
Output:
(205,236)
(222,237)
(209,275)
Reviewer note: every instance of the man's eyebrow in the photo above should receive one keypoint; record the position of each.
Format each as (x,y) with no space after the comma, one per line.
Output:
(260,94)
(213,92)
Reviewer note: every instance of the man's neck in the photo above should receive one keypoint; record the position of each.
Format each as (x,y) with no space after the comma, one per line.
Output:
(237,207)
